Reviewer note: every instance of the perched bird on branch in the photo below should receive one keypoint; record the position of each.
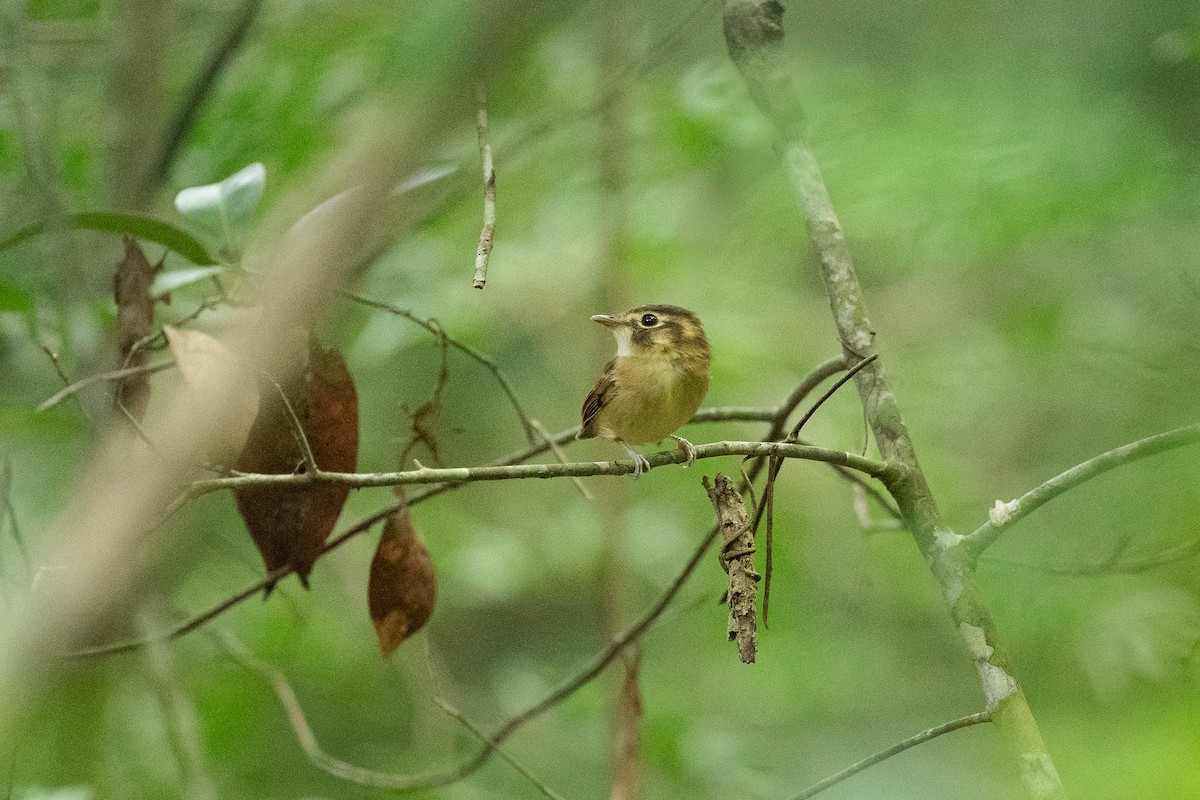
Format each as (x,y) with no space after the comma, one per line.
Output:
(654,384)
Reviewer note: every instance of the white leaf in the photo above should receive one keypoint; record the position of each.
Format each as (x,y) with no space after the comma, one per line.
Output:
(222,212)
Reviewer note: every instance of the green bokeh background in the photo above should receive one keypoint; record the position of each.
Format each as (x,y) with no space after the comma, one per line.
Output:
(1019,186)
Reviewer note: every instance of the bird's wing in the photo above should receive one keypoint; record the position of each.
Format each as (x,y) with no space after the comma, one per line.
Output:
(595,401)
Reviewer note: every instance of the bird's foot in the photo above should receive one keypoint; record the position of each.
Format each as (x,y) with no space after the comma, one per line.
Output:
(640,462)
(688,448)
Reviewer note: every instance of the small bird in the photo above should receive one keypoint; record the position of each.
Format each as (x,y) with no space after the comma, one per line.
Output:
(654,384)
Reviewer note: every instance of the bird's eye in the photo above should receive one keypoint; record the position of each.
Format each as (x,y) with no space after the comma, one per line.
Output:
(649,320)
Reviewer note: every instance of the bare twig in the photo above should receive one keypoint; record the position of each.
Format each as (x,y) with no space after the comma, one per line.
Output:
(899,747)
(863,512)
(181,723)
(426,475)
(299,722)
(54,360)
(776,461)
(297,427)
(616,646)
(484,252)
(8,510)
(424,417)
(343,769)
(138,430)
(478,733)
(828,393)
(769,541)
(471,352)
(1007,514)
(561,455)
(112,375)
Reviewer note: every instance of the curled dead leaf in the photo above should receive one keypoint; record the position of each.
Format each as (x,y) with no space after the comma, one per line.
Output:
(403,586)
(289,524)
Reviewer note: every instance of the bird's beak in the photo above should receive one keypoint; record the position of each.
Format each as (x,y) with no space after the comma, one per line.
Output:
(607,321)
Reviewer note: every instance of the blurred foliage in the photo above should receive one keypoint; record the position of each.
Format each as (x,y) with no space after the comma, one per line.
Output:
(1020,188)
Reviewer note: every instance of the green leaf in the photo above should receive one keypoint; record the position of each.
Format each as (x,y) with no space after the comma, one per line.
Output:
(150,229)
(167,282)
(222,212)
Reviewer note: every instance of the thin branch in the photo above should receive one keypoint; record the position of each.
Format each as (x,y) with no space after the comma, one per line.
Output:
(471,352)
(53,356)
(561,455)
(484,252)
(297,427)
(900,747)
(865,489)
(863,512)
(113,375)
(424,417)
(1110,566)
(201,87)
(819,374)
(850,373)
(186,627)
(425,475)
(304,733)
(593,668)
(9,511)
(1010,513)
(138,430)
(616,646)
(487,740)
(768,503)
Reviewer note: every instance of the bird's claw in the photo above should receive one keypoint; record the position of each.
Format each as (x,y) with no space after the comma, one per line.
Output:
(688,448)
(640,462)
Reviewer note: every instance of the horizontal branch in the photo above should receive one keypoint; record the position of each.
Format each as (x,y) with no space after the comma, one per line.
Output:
(423,475)
(776,416)
(1010,513)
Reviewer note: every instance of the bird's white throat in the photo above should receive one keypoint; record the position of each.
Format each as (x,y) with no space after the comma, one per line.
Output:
(624,337)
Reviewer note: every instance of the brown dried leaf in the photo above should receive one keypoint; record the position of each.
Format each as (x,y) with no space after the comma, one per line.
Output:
(289,525)
(403,587)
(135,322)
(205,365)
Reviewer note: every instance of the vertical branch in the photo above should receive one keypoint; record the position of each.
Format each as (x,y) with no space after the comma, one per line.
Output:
(484,252)
(201,86)
(183,729)
(136,87)
(627,731)
(754,33)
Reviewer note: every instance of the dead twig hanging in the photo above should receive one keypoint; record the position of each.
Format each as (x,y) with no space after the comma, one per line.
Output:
(737,557)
